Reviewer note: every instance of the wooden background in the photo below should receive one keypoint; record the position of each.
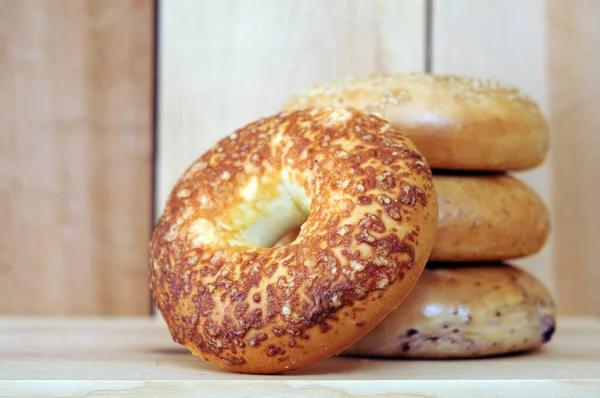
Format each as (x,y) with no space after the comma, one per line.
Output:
(76,147)
(75,155)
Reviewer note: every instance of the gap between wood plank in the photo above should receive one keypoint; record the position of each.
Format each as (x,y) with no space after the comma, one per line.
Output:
(428,35)
(154,128)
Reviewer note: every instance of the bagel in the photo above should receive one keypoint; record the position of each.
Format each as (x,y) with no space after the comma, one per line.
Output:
(465,312)
(484,217)
(458,123)
(367,207)
(487,218)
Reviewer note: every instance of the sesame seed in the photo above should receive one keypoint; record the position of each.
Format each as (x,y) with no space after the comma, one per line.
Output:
(356,265)
(183,193)
(192,260)
(368,238)
(172,234)
(335,300)
(186,275)
(381,261)
(343,230)
(383,282)
(204,200)
(384,199)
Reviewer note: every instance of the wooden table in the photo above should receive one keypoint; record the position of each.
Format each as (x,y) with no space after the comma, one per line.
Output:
(136,357)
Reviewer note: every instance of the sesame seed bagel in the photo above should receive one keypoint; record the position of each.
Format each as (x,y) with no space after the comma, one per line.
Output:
(458,123)
(487,217)
(465,312)
(367,207)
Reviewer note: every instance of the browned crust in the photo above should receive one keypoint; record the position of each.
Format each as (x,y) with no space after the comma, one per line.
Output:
(465,312)
(359,253)
(484,217)
(458,123)
(487,218)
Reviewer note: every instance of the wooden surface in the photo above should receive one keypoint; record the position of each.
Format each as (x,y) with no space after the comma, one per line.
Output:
(75,155)
(224,64)
(129,356)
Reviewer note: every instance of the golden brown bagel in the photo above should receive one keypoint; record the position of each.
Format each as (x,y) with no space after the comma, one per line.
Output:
(240,304)
(458,123)
(485,217)
(488,217)
(465,312)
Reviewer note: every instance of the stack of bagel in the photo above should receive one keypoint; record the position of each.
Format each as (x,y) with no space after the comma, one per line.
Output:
(372,216)
(470,301)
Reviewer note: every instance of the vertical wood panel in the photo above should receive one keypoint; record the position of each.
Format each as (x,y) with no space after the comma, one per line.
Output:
(75,155)
(550,50)
(573,45)
(224,64)
(501,39)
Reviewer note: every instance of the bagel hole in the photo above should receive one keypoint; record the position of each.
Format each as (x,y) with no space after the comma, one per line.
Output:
(277,228)
(281,217)
(288,237)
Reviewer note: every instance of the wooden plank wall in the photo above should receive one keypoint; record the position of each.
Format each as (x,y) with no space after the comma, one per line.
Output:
(503,40)
(573,87)
(550,49)
(223,65)
(75,156)
(76,103)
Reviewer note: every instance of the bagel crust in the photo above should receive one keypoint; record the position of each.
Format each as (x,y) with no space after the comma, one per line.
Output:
(488,218)
(458,123)
(465,312)
(484,217)
(234,300)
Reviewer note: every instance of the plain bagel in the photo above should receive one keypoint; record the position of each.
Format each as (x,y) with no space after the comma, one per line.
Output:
(458,123)
(465,312)
(365,198)
(485,217)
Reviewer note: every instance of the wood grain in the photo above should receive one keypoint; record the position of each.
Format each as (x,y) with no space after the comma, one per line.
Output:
(227,63)
(550,49)
(75,155)
(129,356)
(573,64)
(502,40)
